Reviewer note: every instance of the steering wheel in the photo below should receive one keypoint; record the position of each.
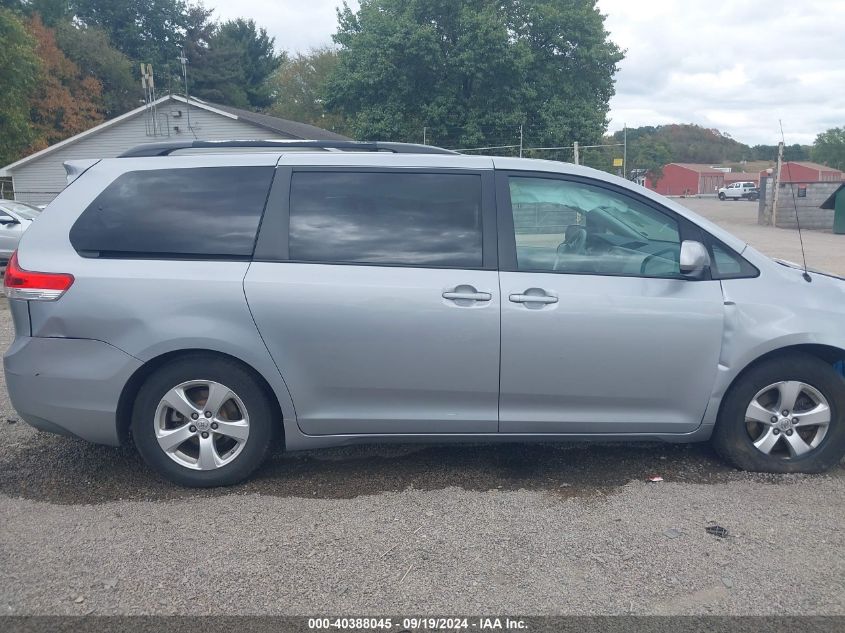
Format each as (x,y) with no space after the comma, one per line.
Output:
(648,258)
(574,243)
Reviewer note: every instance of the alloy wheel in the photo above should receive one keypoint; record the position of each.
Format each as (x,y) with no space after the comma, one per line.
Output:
(201,424)
(788,419)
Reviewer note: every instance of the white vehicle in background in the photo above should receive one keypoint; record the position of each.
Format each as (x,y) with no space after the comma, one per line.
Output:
(15,218)
(740,191)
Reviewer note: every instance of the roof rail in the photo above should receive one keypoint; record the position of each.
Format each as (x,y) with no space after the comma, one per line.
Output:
(167,147)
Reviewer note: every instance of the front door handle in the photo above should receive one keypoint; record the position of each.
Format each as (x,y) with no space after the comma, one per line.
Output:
(533,298)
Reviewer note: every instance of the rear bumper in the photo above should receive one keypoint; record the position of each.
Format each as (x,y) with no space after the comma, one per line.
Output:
(68,386)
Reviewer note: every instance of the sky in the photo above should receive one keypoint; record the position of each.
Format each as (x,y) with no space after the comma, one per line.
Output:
(739,66)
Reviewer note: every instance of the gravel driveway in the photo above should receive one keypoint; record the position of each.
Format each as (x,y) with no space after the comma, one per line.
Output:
(527,529)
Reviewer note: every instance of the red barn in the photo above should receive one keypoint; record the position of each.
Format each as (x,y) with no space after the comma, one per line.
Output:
(801,171)
(742,176)
(688,179)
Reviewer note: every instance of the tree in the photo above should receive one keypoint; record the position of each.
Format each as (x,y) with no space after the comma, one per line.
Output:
(650,154)
(790,152)
(150,31)
(50,11)
(65,102)
(90,49)
(299,89)
(687,143)
(240,60)
(19,72)
(829,148)
(474,71)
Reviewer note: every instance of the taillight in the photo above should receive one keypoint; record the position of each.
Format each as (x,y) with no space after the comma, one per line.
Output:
(26,284)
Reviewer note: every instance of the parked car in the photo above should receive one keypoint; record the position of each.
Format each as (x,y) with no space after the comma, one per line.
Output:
(15,218)
(204,304)
(740,191)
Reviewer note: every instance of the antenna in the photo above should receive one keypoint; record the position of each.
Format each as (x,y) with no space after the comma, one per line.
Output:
(806,274)
(184,61)
(151,114)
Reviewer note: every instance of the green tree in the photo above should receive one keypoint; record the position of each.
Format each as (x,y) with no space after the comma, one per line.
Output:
(650,154)
(299,89)
(829,148)
(50,11)
(790,152)
(90,49)
(474,71)
(252,52)
(20,68)
(144,30)
(689,143)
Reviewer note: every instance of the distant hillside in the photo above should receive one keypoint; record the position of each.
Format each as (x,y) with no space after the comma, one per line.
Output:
(688,143)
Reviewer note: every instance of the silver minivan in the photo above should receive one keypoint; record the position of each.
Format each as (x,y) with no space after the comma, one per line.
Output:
(203,303)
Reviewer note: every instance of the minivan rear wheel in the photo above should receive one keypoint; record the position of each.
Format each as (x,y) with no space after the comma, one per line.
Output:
(784,416)
(203,421)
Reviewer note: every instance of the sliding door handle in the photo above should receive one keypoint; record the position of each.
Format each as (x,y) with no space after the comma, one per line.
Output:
(467,296)
(532,299)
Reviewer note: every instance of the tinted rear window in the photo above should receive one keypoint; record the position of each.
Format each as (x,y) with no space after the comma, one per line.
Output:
(386,218)
(191,212)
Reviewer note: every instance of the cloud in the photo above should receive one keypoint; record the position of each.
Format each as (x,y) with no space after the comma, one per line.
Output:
(738,66)
(296,25)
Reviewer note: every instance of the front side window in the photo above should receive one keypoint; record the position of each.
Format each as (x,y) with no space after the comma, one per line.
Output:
(393,218)
(189,212)
(725,264)
(573,227)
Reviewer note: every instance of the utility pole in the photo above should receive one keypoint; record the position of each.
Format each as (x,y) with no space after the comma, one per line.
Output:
(425,129)
(625,152)
(520,140)
(776,185)
(575,148)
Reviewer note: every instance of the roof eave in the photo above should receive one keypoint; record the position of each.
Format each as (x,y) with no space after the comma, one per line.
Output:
(7,170)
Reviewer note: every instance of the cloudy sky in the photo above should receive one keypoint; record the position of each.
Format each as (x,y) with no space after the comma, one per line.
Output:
(738,66)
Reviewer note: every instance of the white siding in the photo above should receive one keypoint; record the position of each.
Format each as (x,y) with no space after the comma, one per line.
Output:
(39,181)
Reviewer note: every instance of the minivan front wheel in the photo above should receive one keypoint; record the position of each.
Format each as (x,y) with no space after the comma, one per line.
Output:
(784,416)
(203,421)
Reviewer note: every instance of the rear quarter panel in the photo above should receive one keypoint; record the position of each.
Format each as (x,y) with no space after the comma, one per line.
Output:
(145,307)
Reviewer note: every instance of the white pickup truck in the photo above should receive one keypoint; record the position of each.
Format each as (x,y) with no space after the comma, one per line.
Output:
(739,191)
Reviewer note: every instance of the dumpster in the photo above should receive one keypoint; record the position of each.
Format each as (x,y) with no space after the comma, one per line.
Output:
(837,202)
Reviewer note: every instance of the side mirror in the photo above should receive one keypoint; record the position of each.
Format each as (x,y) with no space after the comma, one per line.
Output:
(7,220)
(694,259)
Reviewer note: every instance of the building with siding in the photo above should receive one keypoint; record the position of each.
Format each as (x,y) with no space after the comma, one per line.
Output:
(38,178)
(688,179)
(805,172)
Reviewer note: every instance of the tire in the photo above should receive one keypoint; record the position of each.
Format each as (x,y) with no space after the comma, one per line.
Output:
(760,393)
(722,197)
(201,454)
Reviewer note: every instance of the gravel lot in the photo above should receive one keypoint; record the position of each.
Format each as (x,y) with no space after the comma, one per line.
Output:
(531,529)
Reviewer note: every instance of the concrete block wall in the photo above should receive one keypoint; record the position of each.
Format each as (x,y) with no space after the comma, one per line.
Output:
(811,216)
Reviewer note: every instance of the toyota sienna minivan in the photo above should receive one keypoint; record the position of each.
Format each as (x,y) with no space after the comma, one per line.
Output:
(325,293)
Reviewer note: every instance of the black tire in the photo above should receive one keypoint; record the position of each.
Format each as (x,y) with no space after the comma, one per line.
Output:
(733,441)
(722,197)
(263,421)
